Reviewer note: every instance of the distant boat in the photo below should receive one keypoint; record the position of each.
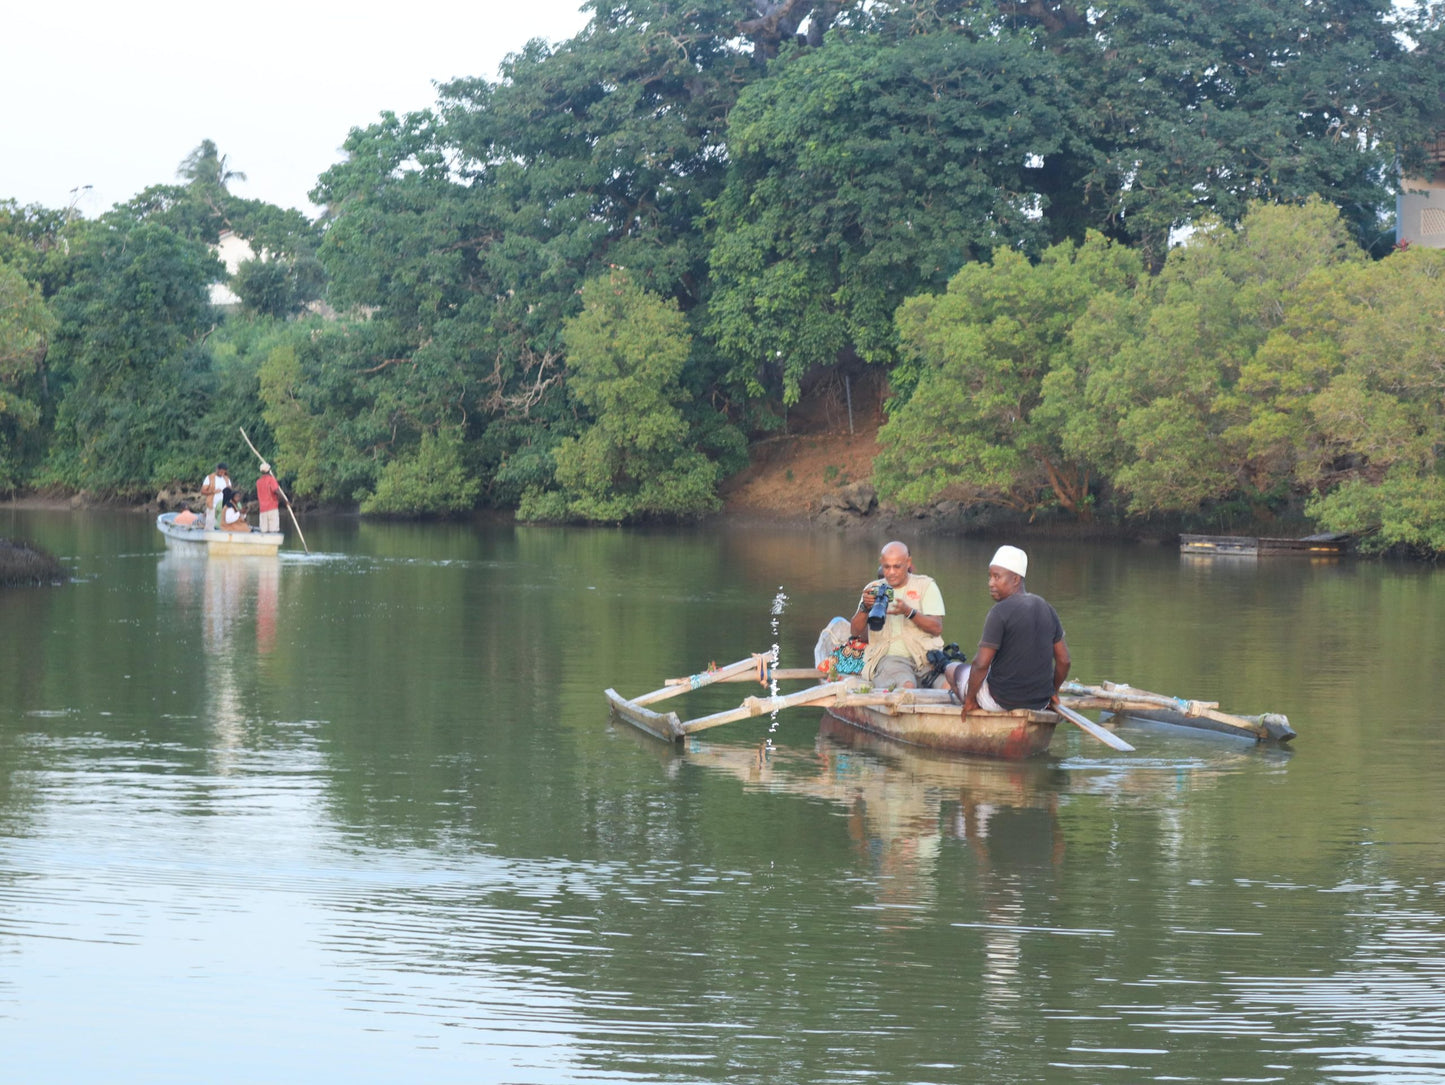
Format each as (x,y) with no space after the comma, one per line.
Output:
(1313,546)
(196,539)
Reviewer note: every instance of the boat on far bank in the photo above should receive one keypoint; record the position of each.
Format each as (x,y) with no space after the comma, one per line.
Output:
(194,538)
(1327,545)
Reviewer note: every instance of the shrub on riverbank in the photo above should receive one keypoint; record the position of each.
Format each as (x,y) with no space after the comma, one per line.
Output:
(21,563)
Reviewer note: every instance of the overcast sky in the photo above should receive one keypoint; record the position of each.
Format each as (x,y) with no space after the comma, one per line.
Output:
(115,95)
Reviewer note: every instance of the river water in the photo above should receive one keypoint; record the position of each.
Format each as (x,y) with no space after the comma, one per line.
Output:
(361,815)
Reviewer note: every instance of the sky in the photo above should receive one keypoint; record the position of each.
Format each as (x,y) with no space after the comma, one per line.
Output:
(115,95)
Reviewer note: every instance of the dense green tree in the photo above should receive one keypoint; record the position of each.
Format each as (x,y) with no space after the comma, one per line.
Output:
(863,172)
(977,424)
(28,237)
(26,325)
(277,288)
(334,398)
(636,458)
(1196,108)
(1157,401)
(1381,414)
(433,478)
(129,356)
(470,230)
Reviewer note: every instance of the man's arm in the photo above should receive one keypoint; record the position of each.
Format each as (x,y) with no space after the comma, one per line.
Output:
(982,659)
(1061,667)
(932,624)
(858,623)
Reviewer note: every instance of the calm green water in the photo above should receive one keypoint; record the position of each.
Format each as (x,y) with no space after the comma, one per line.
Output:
(362,816)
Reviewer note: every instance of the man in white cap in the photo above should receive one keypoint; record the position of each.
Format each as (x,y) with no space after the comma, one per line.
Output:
(1022,659)
(268,498)
(897,653)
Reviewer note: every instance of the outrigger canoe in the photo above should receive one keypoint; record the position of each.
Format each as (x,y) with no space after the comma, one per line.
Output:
(932,719)
(196,539)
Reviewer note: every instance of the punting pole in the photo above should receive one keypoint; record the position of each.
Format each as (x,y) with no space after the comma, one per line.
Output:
(283,496)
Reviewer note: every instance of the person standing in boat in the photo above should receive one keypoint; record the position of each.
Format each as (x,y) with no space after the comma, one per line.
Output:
(897,654)
(268,499)
(211,490)
(1022,659)
(232,516)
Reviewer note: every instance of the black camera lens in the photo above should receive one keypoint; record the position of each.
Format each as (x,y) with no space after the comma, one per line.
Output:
(878,612)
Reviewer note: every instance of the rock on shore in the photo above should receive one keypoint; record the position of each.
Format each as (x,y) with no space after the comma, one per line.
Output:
(21,563)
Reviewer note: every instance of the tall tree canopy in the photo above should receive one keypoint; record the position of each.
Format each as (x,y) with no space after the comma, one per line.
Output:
(779,176)
(125,354)
(865,171)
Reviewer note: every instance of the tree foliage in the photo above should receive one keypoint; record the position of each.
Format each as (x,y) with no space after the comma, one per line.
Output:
(863,172)
(127,353)
(978,422)
(432,479)
(1162,408)
(1196,109)
(26,326)
(762,184)
(636,458)
(1381,412)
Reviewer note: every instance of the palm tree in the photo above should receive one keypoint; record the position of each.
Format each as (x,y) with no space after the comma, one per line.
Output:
(207,167)
(206,173)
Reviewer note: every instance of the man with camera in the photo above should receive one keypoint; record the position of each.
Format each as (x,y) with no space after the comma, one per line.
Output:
(902,617)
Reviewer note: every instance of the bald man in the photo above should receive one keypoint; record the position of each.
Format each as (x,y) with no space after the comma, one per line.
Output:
(897,655)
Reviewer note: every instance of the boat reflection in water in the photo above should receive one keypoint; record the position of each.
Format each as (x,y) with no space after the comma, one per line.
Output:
(230,596)
(902,802)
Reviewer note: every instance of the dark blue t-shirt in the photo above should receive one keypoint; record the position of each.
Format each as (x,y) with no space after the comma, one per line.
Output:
(1023,629)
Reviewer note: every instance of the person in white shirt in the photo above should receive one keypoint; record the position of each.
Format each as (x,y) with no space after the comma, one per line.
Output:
(212,490)
(232,518)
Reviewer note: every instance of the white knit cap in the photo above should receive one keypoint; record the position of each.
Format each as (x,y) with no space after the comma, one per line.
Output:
(1013,559)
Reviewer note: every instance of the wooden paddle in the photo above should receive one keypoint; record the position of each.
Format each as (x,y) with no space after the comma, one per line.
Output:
(283,496)
(1107,737)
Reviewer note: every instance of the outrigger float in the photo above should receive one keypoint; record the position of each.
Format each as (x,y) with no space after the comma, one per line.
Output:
(932,718)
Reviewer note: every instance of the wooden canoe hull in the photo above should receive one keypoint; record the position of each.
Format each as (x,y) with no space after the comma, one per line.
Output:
(197,540)
(1011,736)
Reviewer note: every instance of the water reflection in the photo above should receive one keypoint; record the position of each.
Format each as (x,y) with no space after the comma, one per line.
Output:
(236,600)
(901,802)
(362,809)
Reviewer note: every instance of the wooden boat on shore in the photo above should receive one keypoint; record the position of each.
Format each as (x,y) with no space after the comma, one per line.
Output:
(197,540)
(1328,545)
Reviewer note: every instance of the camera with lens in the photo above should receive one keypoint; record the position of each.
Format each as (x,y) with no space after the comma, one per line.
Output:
(942,657)
(878,612)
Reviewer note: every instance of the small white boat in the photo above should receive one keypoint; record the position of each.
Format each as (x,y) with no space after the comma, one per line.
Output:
(195,538)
